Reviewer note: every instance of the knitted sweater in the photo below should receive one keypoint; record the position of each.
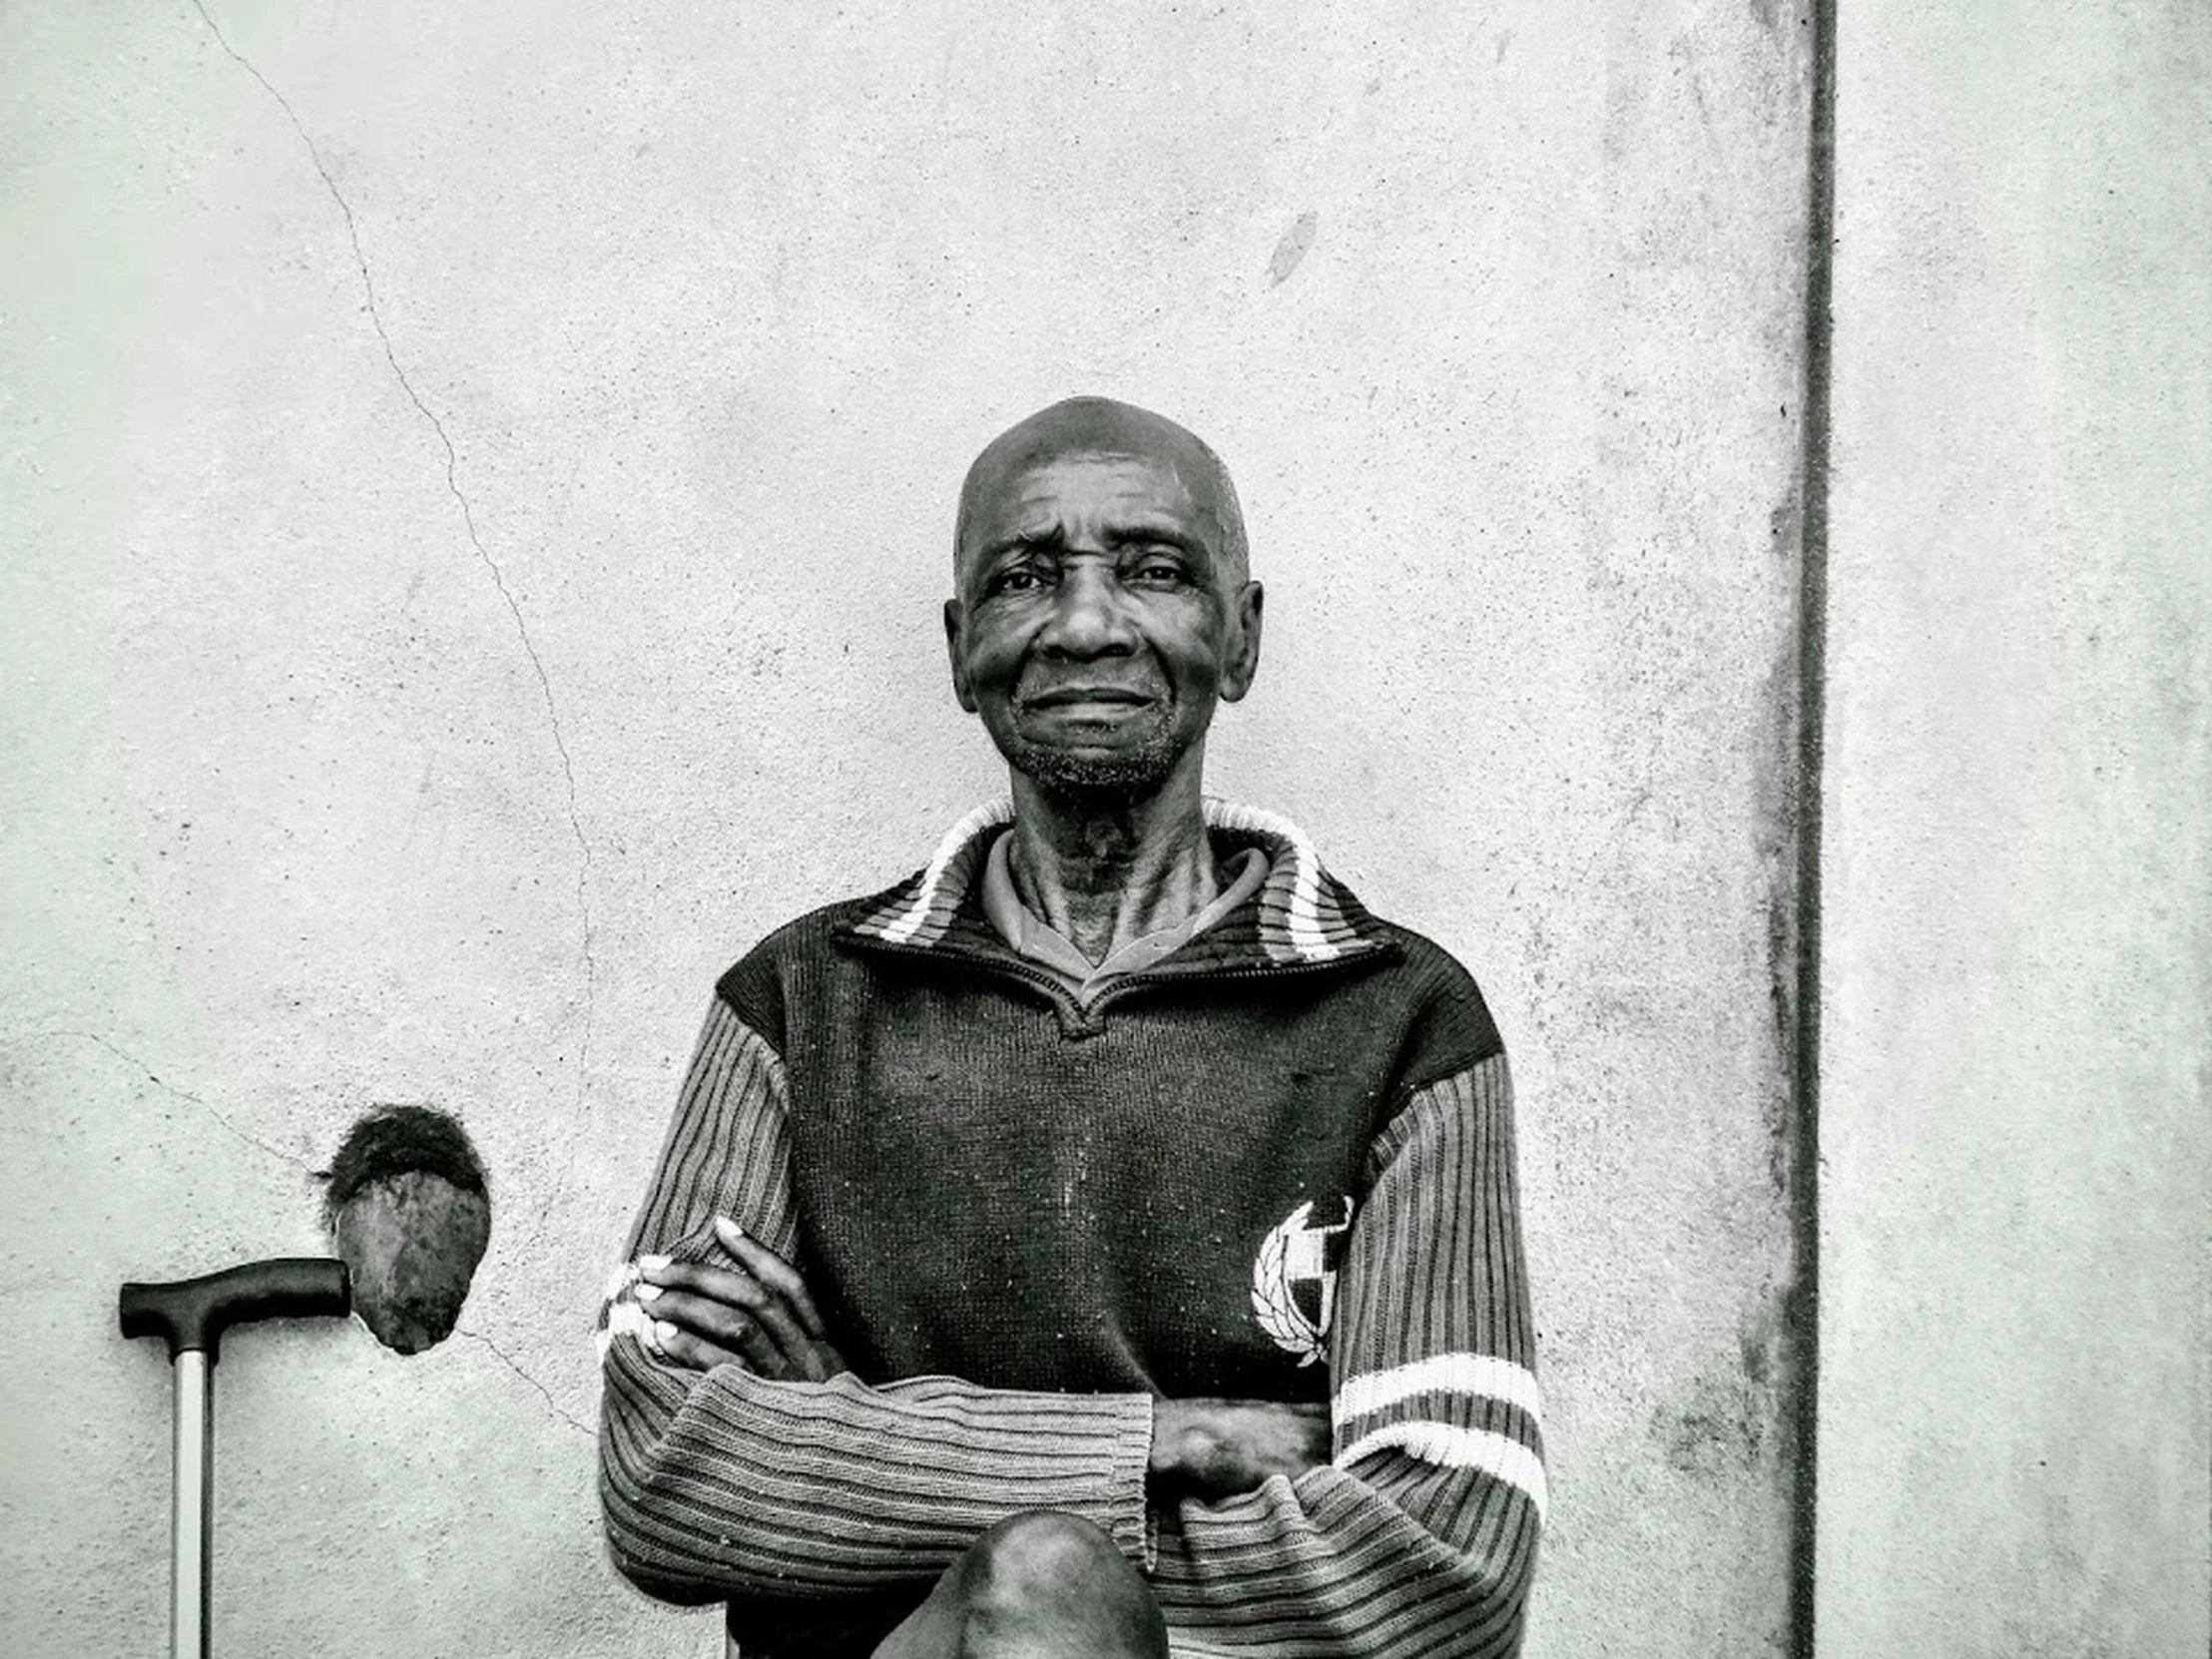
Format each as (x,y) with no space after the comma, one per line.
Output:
(1276,1165)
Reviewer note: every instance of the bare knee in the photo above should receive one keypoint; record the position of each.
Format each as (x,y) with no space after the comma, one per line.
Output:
(1041,1548)
(1044,1582)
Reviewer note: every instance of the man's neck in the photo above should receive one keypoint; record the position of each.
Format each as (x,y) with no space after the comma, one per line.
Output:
(1105,871)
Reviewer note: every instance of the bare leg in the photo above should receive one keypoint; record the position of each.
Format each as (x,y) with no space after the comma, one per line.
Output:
(1041,1585)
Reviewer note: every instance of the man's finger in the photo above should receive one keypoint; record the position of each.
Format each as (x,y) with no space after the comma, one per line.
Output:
(724,1283)
(766,1306)
(721,1324)
(694,1352)
(774,1316)
(773,1271)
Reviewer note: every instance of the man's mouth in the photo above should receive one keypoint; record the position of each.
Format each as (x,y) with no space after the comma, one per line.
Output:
(1084,697)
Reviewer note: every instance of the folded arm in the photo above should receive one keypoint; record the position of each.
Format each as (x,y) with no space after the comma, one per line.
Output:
(1420,1534)
(721,1483)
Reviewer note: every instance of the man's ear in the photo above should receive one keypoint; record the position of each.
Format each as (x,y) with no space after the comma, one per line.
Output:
(1244,643)
(955,619)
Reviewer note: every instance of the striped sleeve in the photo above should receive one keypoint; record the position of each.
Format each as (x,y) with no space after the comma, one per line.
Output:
(720,1483)
(1420,1538)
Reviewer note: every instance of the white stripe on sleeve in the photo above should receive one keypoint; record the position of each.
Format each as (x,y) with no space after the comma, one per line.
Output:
(1456,1374)
(1450,1446)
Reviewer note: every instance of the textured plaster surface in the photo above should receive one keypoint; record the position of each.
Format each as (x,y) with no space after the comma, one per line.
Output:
(2014,1394)
(479,484)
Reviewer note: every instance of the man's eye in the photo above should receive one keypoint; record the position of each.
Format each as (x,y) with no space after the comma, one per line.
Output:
(1156,572)
(1017,581)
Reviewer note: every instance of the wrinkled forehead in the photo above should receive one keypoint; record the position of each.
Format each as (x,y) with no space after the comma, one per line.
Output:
(1091,466)
(1107,490)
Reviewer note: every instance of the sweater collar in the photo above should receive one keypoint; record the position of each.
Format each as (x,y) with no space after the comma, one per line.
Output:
(1302,915)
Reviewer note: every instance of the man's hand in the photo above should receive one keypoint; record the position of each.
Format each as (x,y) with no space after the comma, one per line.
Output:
(753,1311)
(1217,1448)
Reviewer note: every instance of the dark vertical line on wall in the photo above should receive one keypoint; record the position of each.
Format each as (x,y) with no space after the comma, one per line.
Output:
(1812,717)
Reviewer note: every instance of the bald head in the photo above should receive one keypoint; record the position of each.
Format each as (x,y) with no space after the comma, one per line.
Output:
(1100,426)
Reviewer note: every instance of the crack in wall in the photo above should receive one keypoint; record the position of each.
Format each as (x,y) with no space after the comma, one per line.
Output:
(509,1361)
(475,540)
(246,1137)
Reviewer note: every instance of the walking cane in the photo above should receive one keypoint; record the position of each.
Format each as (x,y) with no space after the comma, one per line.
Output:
(191,1315)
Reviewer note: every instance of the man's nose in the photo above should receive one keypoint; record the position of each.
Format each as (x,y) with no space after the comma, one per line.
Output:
(1089,615)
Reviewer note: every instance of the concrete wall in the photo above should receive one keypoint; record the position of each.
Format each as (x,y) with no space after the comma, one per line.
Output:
(479,485)
(2015,1359)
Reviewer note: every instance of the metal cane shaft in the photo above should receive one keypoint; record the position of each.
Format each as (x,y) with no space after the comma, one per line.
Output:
(190,1317)
(193,1497)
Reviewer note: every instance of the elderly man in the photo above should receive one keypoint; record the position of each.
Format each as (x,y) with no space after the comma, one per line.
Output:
(1103,1243)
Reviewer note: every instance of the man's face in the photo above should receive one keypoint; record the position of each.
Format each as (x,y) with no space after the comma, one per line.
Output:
(1094,630)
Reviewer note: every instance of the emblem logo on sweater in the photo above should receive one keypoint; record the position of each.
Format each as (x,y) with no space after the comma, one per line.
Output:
(1294,1279)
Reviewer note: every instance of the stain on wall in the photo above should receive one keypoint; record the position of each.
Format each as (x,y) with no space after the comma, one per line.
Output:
(1291,249)
(408,1210)
(487,493)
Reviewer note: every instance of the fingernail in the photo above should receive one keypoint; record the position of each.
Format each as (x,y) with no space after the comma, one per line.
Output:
(646,1293)
(653,1264)
(664,1331)
(724,1224)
